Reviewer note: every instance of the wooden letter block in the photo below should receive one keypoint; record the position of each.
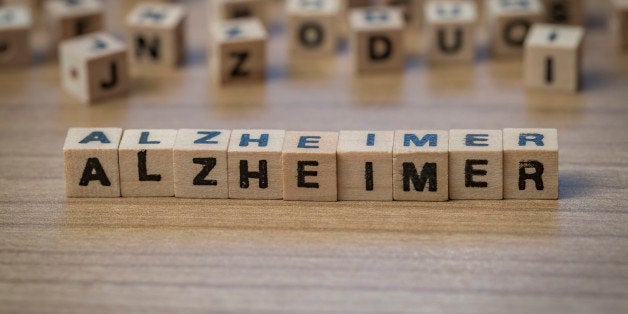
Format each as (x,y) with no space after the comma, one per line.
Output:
(146,163)
(365,165)
(450,29)
(200,163)
(552,57)
(475,165)
(619,24)
(377,39)
(531,164)
(421,166)
(313,25)
(222,10)
(70,18)
(509,23)
(238,51)
(156,34)
(309,166)
(94,66)
(91,162)
(255,170)
(15,27)
(564,11)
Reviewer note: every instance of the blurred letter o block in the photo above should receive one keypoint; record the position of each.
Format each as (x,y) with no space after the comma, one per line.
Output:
(156,34)
(70,18)
(313,25)
(377,39)
(94,66)
(450,30)
(15,27)
(509,23)
(552,58)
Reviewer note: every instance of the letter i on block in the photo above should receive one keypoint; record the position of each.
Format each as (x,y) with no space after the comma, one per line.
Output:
(365,165)
(200,163)
(552,57)
(309,166)
(91,162)
(15,27)
(564,11)
(313,25)
(377,39)
(146,163)
(156,34)
(531,164)
(94,66)
(238,51)
(255,170)
(450,30)
(70,18)
(619,24)
(421,166)
(475,165)
(509,23)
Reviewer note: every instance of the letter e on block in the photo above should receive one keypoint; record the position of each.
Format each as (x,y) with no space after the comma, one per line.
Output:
(91,162)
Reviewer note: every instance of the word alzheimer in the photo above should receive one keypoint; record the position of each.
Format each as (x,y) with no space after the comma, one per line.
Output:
(403,165)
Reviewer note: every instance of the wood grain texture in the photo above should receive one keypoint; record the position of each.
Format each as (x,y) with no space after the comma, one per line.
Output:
(173,255)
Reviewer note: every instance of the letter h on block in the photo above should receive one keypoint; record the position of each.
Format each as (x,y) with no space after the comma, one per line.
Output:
(238,51)
(146,163)
(309,166)
(420,166)
(91,162)
(313,25)
(255,170)
(530,163)
(94,67)
(450,30)
(509,23)
(15,27)
(156,34)
(475,164)
(377,39)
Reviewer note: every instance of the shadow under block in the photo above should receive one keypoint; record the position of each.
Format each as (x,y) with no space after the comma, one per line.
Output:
(564,11)
(146,163)
(222,10)
(94,66)
(376,39)
(67,19)
(238,51)
(619,24)
(421,165)
(450,29)
(200,163)
(91,162)
(475,165)
(156,34)
(531,164)
(509,23)
(15,27)
(255,170)
(364,161)
(309,166)
(313,26)
(552,58)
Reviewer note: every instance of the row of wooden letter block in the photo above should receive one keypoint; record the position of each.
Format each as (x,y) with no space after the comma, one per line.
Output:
(314,166)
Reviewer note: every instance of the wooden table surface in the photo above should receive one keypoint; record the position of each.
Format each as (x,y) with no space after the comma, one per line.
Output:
(179,255)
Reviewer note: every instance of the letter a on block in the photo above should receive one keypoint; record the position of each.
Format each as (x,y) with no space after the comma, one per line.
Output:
(91,162)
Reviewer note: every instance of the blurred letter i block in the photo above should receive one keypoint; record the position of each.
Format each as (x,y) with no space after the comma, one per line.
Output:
(70,18)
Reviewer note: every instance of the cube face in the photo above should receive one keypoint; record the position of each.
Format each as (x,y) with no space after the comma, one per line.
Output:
(377,39)
(237,9)
(238,51)
(156,34)
(510,21)
(200,163)
(619,24)
(146,163)
(69,19)
(564,11)
(91,162)
(552,57)
(15,25)
(475,164)
(450,30)
(364,161)
(309,166)
(94,67)
(312,26)
(255,169)
(421,165)
(530,164)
